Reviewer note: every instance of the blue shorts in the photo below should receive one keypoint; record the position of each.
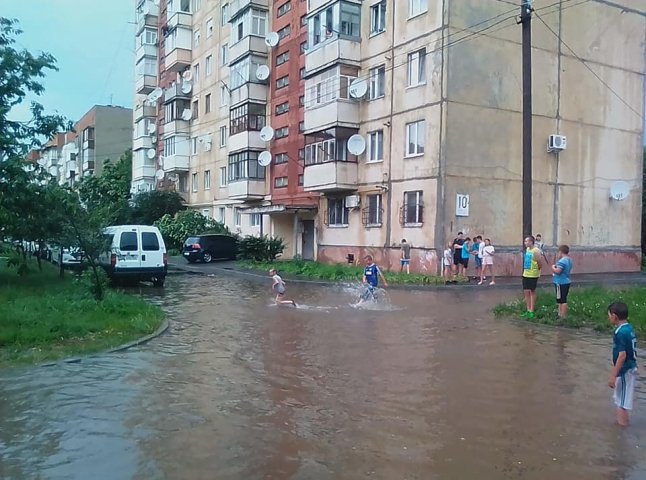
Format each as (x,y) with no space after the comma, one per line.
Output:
(370,293)
(478,261)
(404,261)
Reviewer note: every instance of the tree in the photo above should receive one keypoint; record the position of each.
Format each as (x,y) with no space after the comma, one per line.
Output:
(148,207)
(176,229)
(644,203)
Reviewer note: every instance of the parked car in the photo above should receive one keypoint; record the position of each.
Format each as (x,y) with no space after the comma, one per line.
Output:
(71,257)
(136,253)
(207,248)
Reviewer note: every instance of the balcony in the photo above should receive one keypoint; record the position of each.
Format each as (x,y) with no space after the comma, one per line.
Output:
(88,165)
(145,84)
(148,15)
(249,44)
(145,50)
(174,92)
(336,113)
(180,19)
(246,189)
(176,127)
(178,59)
(143,111)
(332,51)
(176,163)
(333,176)
(315,5)
(88,144)
(141,143)
(249,92)
(238,6)
(247,140)
(143,171)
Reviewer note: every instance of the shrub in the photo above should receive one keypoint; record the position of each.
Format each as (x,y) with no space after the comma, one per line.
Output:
(177,228)
(260,249)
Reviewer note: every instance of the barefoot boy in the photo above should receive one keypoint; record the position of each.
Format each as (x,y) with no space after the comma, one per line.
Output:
(279,287)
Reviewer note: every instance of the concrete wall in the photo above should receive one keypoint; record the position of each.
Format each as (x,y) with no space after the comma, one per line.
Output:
(113,134)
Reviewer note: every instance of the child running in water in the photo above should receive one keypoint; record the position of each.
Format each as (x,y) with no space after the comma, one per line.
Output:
(279,287)
(371,275)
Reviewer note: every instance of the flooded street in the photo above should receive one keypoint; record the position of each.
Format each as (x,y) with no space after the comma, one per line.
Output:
(431,388)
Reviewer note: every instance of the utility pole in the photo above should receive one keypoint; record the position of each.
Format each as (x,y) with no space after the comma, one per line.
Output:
(526,21)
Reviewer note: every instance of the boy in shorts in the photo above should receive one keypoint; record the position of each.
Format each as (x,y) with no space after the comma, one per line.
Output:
(279,287)
(624,359)
(464,260)
(475,251)
(405,260)
(531,273)
(371,275)
(561,271)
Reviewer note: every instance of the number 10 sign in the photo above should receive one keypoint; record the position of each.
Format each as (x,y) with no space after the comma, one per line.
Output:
(462,205)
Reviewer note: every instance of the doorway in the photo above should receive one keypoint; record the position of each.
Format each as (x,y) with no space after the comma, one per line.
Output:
(308,239)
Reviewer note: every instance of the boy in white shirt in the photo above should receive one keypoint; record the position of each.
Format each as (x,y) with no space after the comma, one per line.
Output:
(279,287)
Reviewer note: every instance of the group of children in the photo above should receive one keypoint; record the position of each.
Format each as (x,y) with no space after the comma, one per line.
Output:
(455,259)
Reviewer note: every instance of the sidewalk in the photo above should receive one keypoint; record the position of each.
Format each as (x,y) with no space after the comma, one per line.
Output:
(177,265)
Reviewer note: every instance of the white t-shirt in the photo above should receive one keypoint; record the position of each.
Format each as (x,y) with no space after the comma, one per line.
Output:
(279,284)
(448,257)
(488,251)
(481,250)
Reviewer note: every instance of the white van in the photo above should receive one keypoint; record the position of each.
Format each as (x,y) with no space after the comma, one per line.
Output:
(136,252)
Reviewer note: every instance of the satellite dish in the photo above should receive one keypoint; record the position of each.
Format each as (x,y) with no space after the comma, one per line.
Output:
(151,128)
(187,114)
(186,87)
(356,144)
(187,76)
(272,39)
(264,159)
(156,94)
(150,153)
(358,87)
(159,174)
(266,133)
(619,190)
(263,72)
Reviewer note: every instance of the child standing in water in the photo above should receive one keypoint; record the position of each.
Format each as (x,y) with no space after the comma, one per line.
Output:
(371,275)
(447,262)
(279,287)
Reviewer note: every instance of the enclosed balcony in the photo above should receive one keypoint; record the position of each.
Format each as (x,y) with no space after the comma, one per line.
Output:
(178,49)
(176,127)
(248,44)
(329,167)
(247,189)
(175,92)
(341,112)
(144,111)
(180,19)
(143,171)
(145,50)
(236,7)
(144,84)
(142,142)
(147,15)
(246,176)
(176,163)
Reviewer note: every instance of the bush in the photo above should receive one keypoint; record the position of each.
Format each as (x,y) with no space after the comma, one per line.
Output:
(96,287)
(260,249)
(177,228)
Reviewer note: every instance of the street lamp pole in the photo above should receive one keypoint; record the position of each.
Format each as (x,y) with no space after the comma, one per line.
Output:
(526,21)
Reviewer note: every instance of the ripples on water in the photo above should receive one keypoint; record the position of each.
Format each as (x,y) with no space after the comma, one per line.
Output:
(429,386)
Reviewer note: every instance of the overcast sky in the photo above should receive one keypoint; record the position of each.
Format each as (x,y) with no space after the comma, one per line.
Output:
(93,43)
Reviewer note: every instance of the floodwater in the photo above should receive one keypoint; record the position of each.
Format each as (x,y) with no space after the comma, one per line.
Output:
(429,386)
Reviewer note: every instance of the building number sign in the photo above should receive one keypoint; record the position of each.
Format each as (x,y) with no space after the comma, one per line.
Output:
(462,205)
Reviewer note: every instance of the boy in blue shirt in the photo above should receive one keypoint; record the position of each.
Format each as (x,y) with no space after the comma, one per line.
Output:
(624,358)
(561,271)
(371,274)
(475,251)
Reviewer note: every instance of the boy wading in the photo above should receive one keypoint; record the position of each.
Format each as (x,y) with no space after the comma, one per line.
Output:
(531,274)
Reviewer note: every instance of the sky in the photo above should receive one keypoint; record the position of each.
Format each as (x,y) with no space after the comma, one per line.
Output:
(93,43)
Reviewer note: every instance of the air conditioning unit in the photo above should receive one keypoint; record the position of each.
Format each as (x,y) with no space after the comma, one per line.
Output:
(352,201)
(556,143)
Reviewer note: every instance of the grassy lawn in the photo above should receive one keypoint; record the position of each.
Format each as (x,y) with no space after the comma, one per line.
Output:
(45,318)
(338,272)
(588,308)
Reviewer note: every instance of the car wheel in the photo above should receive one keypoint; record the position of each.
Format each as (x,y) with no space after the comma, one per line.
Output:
(158,282)
(207,257)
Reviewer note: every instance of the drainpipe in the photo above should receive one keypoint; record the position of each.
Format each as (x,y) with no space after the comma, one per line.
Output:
(389,191)
(295,228)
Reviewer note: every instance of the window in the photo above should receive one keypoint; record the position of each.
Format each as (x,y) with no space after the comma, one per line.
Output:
(128,242)
(350,20)
(147,66)
(224,54)
(244,165)
(282,58)
(149,242)
(282,108)
(301,180)
(303,47)
(148,37)
(197,4)
(256,218)
(258,22)
(196,72)
(280,182)
(194,182)
(224,96)
(194,146)
(417,68)
(223,176)
(207,103)
(207,179)
(415,133)
(301,127)
(223,136)
(376,146)
(281,158)
(247,117)
(283,9)
(301,72)
(209,28)
(301,100)
(342,17)
(301,154)
(377,82)
(417,7)
(209,65)
(237,216)
(225,14)
(378,17)
(252,22)
(196,109)
(337,213)
(169,146)
(282,132)
(373,212)
(282,82)
(284,32)
(244,71)
(303,20)
(206,212)
(196,38)
(331,150)
(222,213)
(333,84)
(413,206)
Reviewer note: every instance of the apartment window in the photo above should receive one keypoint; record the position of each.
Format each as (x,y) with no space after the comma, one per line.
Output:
(207,103)
(377,82)
(282,132)
(413,208)
(417,68)
(342,17)
(282,58)
(332,84)
(224,54)
(244,165)
(415,134)
(196,38)
(282,108)
(207,179)
(301,127)
(280,182)
(194,182)
(169,146)
(197,4)
(224,96)
(223,136)
(301,180)
(237,216)
(284,32)
(372,214)
(303,20)
(244,71)
(282,82)
(223,176)
(247,117)
(225,14)
(378,17)
(331,150)
(148,37)
(252,22)
(376,146)
(209,28)
(301,72)
(222,214)
(281,158)
(417,7)
(301,100)
(196,109)
(209,65)
(196,72)
(194,146)
(147,66)
(301,154)
(350,20)
(256,218)
(303,47)
(337,213)
(283,9)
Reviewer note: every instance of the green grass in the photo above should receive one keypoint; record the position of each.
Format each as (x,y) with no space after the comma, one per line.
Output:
(587,308)
(337,272)
(45,318)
